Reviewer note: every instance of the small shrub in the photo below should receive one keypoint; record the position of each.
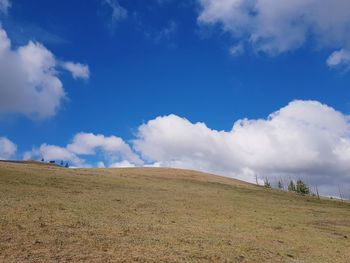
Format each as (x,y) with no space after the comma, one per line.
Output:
(291,186)
(302,188)
(267,183)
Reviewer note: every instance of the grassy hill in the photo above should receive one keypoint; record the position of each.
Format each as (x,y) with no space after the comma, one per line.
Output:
(53,214)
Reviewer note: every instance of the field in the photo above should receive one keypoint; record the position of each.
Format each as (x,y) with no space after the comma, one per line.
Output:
(53,214)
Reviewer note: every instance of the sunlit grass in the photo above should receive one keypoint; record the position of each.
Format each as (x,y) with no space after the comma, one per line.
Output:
(52,214)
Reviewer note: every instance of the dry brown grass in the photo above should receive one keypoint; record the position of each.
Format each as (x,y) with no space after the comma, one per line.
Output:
(52,214)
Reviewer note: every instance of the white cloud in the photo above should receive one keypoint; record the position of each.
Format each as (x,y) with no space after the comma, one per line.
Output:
(122,164)
(118,12)
(340,58)
(112,150)
(275,27)
(29,82)
(53,152)
(7,148)
(78,70)
(237,50)
(101,165)
(305,139)
(4,6)
(156,164)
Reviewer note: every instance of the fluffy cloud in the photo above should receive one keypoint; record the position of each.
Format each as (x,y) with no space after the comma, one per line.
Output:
(113,150)
(305,139)
(78,70)
(340,58)
(4,6)
(7,148)
(29,82)
(53,152)
(275,27)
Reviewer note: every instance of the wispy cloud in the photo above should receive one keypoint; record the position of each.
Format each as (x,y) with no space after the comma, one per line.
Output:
(237,50)
(275,27)
(166,33)
(340,59)
(163,35)
(21,33)
(117,11)
(4,6)
(78,70)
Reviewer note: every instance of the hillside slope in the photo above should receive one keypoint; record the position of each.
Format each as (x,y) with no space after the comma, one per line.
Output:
(53,214)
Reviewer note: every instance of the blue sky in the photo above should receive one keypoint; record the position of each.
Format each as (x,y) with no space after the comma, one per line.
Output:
(199,60)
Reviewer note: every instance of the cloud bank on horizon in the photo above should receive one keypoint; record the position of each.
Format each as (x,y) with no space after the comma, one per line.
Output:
(110,148)
(305,139)
(275,27)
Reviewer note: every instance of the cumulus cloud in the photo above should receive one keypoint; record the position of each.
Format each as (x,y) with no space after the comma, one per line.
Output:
(274,27)
(29,81)
(339,59)
(4,6)
(7,148)
(112,149)
(305,139)
(78,70)
(53,152)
